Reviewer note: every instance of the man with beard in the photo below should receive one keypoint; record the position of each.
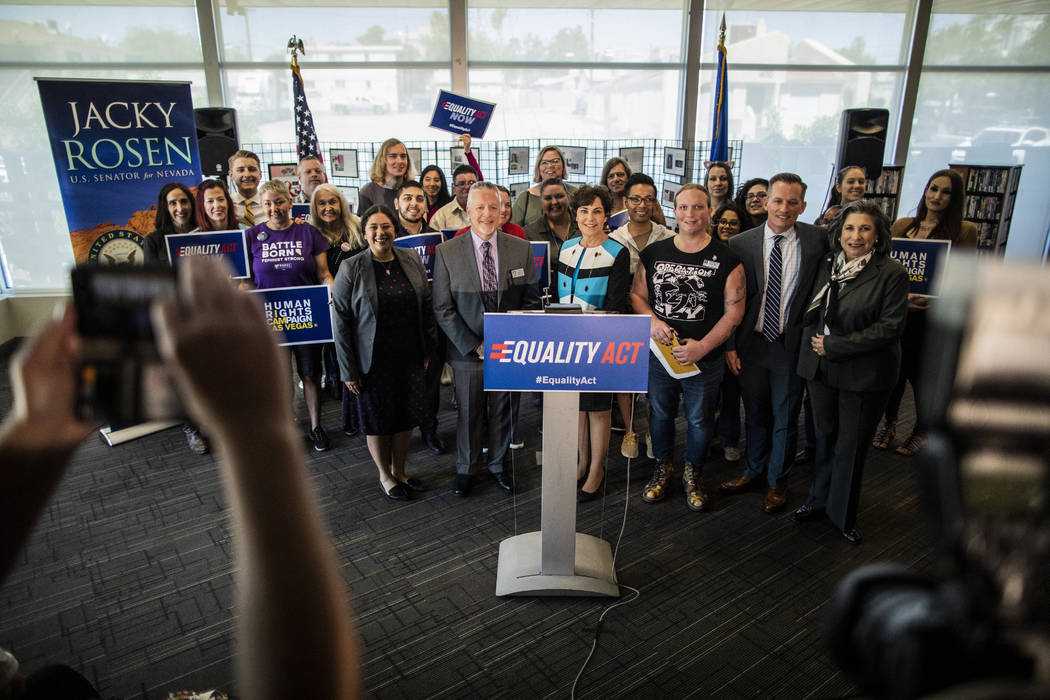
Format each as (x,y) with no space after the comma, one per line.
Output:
(410,202)
(245,172)
(311,174)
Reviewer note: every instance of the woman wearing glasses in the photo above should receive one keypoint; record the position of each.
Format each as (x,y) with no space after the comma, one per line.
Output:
(550,165)
(751,198)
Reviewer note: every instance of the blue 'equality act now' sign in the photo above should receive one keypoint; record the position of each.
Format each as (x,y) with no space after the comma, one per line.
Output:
(459,114)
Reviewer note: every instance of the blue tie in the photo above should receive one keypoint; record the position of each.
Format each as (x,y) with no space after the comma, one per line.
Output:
(771,318)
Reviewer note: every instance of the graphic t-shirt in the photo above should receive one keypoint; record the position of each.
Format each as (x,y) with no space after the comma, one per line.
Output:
(687,290)
(284,258)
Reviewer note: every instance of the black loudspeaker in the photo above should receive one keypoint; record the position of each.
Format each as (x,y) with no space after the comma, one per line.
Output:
(862,139)
(216,138)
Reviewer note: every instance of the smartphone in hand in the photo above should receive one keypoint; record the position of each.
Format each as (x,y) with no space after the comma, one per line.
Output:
(121,379)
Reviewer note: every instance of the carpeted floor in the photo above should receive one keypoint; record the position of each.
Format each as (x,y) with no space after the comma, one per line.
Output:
(128,578)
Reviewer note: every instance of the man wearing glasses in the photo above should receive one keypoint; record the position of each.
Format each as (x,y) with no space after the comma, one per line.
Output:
(640,229)
(454,214)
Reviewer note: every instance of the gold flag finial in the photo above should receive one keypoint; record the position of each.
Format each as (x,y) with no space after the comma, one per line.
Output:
(295,45)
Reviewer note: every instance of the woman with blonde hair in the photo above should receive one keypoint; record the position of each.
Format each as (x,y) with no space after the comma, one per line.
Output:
(550,164)
(391,167)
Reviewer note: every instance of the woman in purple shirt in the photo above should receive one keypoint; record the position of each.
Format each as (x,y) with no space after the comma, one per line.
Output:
(283,253)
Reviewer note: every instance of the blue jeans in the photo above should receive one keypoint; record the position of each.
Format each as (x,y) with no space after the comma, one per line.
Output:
(700,393)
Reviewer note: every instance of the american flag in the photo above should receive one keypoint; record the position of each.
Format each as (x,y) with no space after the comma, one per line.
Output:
(305,134)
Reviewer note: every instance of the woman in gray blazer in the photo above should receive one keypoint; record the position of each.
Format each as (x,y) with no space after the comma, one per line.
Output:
(384,336)
(850,356)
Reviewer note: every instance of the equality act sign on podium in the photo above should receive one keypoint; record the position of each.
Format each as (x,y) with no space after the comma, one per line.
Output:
(571,352)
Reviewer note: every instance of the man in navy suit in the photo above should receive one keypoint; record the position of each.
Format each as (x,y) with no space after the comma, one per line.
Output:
(483,272)
(781,259)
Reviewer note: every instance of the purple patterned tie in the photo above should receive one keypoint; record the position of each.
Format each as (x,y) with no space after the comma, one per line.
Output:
(489,285)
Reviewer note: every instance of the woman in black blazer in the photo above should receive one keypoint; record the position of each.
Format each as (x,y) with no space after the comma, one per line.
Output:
(850,356)
(384,336)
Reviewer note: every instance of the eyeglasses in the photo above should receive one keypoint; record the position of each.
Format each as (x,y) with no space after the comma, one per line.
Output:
(635,199)
(462,185)
(756,195)
(554,161)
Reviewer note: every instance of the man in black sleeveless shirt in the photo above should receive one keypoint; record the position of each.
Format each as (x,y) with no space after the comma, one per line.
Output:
(693,287)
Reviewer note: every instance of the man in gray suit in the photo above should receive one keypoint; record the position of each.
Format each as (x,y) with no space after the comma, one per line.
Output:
(780,259)
(484,272)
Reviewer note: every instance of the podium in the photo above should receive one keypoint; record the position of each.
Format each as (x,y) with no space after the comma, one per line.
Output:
(557,560)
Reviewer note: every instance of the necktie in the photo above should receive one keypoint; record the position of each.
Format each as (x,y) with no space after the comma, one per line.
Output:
(249,215)
(489,285)
(771,318)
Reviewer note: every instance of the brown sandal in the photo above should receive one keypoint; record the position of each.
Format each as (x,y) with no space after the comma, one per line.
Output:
(912,445)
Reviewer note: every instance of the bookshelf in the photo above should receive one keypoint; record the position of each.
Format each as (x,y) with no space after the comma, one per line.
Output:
(990,194)
(885,190)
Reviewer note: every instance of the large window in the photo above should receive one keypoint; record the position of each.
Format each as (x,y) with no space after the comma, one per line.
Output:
(55,40)
(547,65)
(984,98)
(790,76)
(370,71)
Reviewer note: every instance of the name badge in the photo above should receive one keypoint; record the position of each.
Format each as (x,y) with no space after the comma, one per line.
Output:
(517,272)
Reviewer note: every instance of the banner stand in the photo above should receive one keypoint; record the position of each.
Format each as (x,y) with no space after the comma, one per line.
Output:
(557,560)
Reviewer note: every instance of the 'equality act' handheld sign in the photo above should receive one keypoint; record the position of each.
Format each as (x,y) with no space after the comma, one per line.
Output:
(298,315)
(228,245)
(459,114)
(572,352)
(424,244)
(922,259)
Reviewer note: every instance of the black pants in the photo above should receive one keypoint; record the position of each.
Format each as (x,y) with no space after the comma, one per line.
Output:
(845,423)
(911,365)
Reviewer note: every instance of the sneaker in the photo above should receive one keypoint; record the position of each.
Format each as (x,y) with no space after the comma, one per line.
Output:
(629,446)
(320,439)
(350,431)
(696,495)
(884,437)
(732,454)
(656,489)
(913,444)
(198,445)
(649,446)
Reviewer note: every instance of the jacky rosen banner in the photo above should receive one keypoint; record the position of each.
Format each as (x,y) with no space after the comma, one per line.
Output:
(115,144)
(570,352)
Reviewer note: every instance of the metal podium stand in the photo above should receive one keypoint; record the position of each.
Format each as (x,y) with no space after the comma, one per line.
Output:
(557,560)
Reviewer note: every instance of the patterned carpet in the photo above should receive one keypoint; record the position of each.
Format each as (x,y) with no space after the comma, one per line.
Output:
(128,578)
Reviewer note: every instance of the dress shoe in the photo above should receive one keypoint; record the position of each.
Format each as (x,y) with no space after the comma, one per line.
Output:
(738,485)
(504,480)
(397,492)
(804,455)
(587,496)
(414,484)
(805,514)
(852,536)
(775,499)
(435,443)
(462,484)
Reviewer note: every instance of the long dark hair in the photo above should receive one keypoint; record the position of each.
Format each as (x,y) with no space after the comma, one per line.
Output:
(949,225)
(202,217)
(443,197)
(741,201)
(836,194)
(162,220)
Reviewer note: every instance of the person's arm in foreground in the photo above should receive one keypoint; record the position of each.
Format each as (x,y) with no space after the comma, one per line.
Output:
(40,434)
(295,634)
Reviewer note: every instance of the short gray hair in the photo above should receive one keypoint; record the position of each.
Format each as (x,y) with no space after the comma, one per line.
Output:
(481,185)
